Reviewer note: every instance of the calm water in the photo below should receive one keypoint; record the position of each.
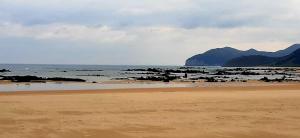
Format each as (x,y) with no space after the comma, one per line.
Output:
(86,72)
(102,73)
(91,73)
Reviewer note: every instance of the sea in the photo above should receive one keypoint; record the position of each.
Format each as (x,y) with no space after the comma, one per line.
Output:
(97,76)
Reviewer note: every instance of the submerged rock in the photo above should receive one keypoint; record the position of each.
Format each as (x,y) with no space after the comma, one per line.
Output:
(4,70)
(39,79)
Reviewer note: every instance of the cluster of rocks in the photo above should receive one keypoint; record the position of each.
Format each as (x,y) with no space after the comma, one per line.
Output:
(158,70)
(186,71)
(146,70)
(156,74)
(38,79)
(218,79)
(220,75)
(230,72)
(164,78)
(266,79)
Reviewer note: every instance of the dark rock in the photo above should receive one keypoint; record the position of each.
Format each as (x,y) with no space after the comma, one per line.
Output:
(149,70)
(211,79)
(88,70)
(186,71)
(164,77)
(36,79)
(65,79)
(4,70)
(221,72)
(249,73)
(266,79)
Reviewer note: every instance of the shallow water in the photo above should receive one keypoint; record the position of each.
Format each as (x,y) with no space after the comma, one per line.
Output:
(103,73)
(107,72)
(83,86)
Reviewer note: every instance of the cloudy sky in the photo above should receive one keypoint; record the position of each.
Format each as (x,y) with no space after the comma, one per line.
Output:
(140,32)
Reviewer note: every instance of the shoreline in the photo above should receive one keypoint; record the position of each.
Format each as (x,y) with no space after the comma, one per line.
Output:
(214,87)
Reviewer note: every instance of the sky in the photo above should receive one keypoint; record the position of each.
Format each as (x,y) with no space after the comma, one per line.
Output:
(140,32)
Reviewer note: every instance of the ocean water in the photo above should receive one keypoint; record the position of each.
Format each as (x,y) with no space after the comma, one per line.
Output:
(87,72)
(90,73)
(104,73)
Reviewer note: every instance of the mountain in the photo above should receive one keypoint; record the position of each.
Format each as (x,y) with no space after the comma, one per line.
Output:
(291,60)
(219,56)
(250,61)
(286,51)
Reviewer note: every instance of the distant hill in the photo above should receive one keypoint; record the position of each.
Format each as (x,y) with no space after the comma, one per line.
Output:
(219,56)
(291,60)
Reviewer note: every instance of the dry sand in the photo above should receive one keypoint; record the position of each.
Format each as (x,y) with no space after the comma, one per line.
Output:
(223,112)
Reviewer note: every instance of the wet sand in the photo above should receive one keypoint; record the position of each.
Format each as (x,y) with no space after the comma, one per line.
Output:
(266,111)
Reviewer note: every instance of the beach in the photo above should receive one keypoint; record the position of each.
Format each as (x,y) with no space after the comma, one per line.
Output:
(227,111)
(149,69)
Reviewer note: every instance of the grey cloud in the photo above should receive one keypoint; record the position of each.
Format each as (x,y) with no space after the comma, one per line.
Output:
(132,31)
(190,14)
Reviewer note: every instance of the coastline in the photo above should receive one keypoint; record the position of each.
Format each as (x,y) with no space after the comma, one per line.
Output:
(191,87)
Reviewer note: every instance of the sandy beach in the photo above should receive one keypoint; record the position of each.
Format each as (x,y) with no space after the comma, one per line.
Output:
(149,69)
(260,111)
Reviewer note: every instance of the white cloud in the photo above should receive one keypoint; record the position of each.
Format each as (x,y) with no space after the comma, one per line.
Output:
(67,32)
(147,31)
